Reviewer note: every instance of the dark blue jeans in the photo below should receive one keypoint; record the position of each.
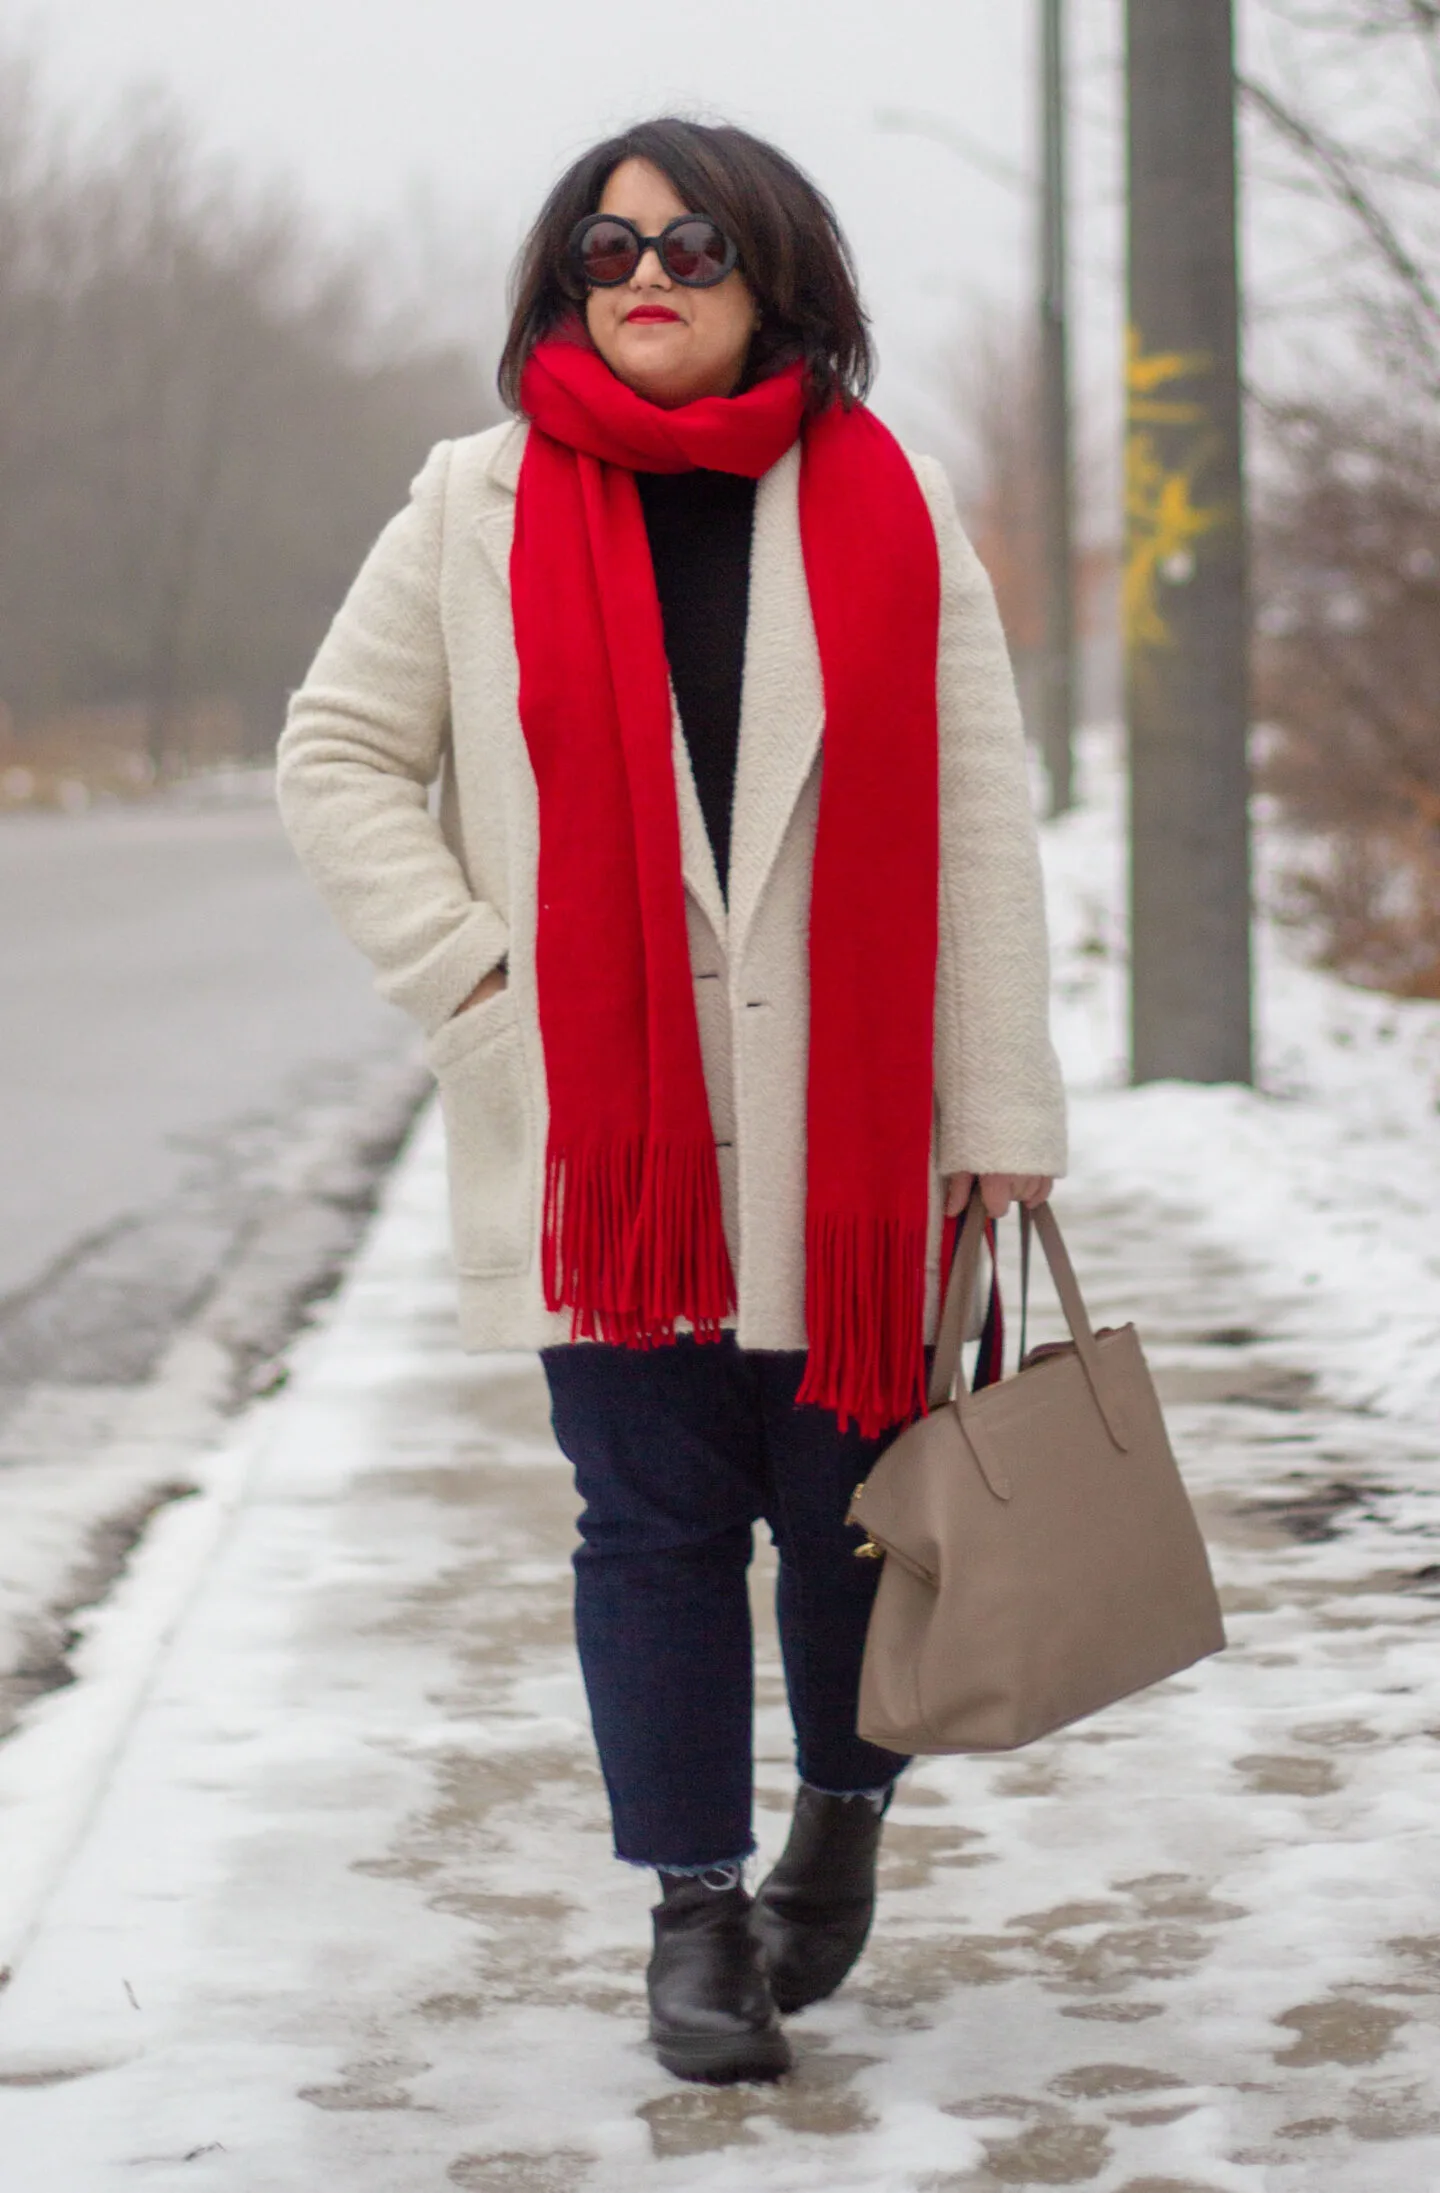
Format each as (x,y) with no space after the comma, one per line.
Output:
(677,1453)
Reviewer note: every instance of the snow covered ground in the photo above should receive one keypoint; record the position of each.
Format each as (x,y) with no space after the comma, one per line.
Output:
(307,1881)
(1325,1179)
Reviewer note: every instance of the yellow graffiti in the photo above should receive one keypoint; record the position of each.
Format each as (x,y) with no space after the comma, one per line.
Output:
(1144,375)
(1163,520)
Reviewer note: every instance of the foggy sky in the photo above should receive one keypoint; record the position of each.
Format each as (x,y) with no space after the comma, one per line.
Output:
(478,104)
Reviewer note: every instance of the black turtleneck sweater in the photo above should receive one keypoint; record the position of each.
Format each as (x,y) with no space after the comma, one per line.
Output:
(699,524)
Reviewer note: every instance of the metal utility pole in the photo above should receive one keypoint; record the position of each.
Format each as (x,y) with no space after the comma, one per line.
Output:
(1185,606)
(1057,669)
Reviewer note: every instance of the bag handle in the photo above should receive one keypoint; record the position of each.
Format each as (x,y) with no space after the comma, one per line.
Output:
(1077,1317)
(960,1291)
(955,1310)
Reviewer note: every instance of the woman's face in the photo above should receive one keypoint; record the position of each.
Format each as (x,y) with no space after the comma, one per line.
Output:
(669,343)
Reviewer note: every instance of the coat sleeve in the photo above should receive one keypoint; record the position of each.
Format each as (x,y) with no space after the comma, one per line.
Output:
(999,1096)
(361,749)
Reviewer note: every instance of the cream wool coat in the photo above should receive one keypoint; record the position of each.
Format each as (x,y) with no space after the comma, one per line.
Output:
(416,685)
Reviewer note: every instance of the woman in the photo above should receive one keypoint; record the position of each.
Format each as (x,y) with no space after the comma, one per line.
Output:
(728,941)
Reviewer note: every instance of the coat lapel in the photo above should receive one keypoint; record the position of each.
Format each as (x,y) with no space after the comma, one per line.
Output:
(782,706)
(495,524)
(697,858)
(495,530)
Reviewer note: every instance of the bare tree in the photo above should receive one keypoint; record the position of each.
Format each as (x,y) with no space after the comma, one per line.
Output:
(990,391)
(205,416)
(1348,517)
(1349,660)
(991,378)
(1372,157)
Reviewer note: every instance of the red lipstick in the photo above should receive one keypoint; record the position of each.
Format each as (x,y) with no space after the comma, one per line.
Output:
(652,312)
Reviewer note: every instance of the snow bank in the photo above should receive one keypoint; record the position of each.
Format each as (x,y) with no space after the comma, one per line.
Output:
(1325,1178)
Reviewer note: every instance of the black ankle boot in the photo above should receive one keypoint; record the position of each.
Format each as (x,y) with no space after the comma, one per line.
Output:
(711,2013)
(812,1914)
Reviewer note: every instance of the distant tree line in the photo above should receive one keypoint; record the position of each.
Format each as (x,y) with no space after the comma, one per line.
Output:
(206,414)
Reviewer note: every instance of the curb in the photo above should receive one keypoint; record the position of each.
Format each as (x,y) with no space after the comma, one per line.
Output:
(55,1769)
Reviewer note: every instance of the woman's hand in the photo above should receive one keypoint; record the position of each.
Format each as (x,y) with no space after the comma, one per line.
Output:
(488,986)
(997,1191)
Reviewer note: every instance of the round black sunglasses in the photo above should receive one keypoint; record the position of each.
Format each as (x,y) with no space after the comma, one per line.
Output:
(605,250)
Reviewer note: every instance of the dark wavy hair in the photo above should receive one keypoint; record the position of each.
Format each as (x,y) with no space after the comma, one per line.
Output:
(792,253)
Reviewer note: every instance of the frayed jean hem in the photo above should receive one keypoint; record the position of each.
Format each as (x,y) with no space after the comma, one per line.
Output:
(735,1866)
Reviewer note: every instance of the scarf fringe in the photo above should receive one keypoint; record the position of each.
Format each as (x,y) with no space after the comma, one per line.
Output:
(633,1239)
(864,1313)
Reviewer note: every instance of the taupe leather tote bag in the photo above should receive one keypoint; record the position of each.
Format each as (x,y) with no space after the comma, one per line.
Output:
(1041,1557)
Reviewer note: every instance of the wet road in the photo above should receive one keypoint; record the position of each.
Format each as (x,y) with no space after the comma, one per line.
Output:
(176,1009)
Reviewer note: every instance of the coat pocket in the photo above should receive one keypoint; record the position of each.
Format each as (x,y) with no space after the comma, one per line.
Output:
(478,1060)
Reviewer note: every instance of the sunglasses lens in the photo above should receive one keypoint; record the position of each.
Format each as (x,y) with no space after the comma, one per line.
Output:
(607,253)
(697,252)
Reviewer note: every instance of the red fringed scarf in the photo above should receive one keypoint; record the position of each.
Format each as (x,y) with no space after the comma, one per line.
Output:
(633,1240)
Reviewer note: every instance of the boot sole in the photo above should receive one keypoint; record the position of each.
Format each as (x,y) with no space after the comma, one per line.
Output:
(718,2061)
